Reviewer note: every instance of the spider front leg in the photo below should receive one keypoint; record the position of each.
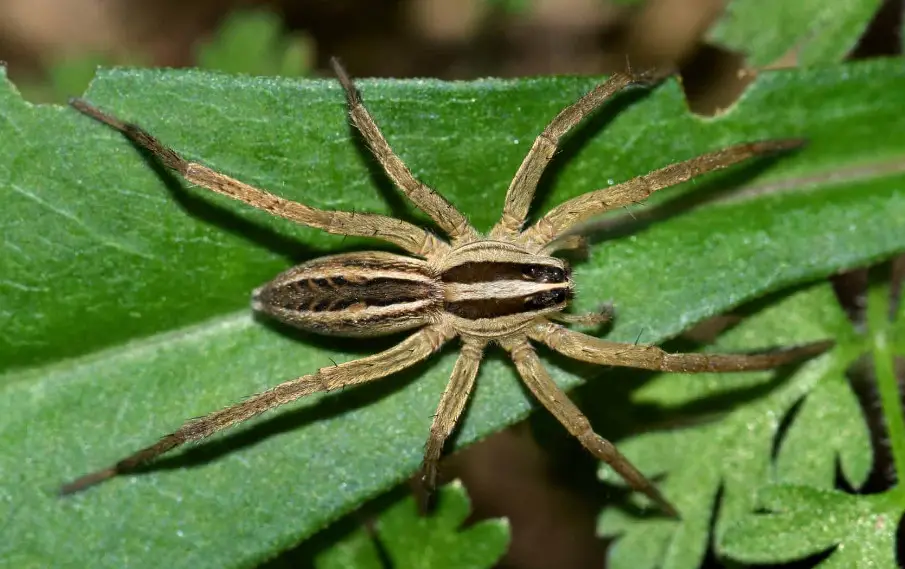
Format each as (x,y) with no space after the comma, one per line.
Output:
(405,354)
(453,401)
(410,237)
(539,382)
(566,216)
(575,243)
(444,214)
(524,184)
(602,316)
(594,350)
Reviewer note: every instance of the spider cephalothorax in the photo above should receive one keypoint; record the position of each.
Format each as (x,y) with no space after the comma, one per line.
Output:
(504,288)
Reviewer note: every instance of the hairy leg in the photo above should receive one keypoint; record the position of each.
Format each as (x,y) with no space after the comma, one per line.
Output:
(408,352)
(604,315)
(444,214)
(524,184)
(590,349)
(410,237)
(566,216)
(558,403)
(455,396)
(578,243)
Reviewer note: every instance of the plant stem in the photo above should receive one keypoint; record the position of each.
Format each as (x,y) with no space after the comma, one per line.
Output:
(887,386)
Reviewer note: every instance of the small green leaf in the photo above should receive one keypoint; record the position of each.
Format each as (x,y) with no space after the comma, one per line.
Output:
(859,530)
(439,540)
(255,43)
(818,31)
(357,550)
(71,76)
(640,550)
(828,429)
(412,541)
(66,77)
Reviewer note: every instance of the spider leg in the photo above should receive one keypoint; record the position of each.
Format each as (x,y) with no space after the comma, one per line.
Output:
(578,243)
(405,235)
(594,350)
(444,214)
(567,215)
(538,380)
(524,184)
(453,401)
(604,315)
(413,349)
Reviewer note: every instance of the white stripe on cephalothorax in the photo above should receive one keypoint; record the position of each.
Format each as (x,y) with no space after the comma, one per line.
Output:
(496,289)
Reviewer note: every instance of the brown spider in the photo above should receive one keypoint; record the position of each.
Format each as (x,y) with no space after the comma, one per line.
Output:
(503,288)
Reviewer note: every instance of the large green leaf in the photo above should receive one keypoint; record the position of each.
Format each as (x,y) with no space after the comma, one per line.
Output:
(124,297)
(816,30)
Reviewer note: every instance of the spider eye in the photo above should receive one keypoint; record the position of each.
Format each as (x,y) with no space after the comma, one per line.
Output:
(543,274)
(546,299)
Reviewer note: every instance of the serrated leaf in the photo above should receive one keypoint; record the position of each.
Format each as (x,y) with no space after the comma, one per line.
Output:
(357,550)
(641,550)
(829,429)
(732,453)
(413,541)
(818,32)
(860,530)
(731,456)
(136,290)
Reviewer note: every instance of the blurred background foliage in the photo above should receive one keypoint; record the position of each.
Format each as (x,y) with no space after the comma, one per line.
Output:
(533,474)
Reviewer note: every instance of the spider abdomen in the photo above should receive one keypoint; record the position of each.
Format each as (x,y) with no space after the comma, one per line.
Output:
(353,294)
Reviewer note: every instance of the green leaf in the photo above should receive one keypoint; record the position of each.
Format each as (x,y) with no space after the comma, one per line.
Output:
(254,42)
(829,429)
(68,76)
(136,290)
(798,521)
(640,550)
(732,454)
(358,551)
(860,530)
(817,31)
(411,540)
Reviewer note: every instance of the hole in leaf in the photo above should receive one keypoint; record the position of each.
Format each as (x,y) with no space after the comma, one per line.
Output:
(713,80)
(851,292)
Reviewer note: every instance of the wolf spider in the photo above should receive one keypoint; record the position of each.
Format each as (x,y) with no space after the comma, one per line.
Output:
(504,288)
